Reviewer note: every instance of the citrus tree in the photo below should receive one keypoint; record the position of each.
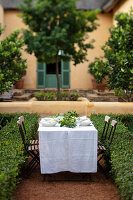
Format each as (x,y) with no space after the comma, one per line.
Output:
(118,51)
(54,26)
(12,65)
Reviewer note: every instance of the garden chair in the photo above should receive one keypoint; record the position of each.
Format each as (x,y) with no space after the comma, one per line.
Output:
(106,138)
(32,149)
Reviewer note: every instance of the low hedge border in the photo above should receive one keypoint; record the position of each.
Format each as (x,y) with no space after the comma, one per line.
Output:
(120,154)
(52,96)
(12,155)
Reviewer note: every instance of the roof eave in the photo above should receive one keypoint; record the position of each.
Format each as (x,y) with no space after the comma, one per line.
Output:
(110,6)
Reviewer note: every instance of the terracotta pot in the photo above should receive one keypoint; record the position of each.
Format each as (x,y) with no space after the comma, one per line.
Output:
(98,86)
(94,84)
(20,84)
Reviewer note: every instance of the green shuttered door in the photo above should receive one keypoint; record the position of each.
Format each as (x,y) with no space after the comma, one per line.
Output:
(42,77)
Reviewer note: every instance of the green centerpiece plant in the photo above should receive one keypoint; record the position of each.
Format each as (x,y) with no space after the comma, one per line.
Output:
(69,119)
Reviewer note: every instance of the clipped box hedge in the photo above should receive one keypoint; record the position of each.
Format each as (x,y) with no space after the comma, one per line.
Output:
(52,96)
(12,156)
(121,152)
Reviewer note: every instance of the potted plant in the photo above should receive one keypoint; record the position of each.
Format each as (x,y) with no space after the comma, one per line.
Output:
(19,84)
(98,70)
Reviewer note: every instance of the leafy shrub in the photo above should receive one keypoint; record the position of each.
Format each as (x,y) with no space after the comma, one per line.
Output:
(4,120)
(12,65)
(98,70)
(123,95)
(39,96)
(64,96)
(52,96)
(120,153)
(74,96)
(12,155)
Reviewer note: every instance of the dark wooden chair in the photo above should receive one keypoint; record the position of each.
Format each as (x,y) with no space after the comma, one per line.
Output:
(107,137)
(32,149)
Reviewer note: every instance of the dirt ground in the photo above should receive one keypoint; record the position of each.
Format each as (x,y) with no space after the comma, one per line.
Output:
(66,186)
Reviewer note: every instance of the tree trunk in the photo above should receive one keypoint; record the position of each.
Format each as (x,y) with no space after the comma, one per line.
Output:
(58,79)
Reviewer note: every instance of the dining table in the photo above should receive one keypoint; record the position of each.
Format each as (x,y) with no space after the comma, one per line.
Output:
(67,149)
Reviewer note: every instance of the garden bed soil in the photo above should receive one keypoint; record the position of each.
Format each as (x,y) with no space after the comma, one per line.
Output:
(91,187)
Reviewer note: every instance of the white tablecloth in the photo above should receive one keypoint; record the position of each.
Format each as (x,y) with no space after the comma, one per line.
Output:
(68,149)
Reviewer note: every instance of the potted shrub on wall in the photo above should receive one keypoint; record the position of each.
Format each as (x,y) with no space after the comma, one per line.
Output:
(19,84)
(12,64)
(98,70)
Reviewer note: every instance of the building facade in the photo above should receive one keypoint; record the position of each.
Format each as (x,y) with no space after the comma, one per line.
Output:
(42,75)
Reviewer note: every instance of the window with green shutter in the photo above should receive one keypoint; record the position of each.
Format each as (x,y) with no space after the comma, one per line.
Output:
(65,74)
(41,73)
(46,78)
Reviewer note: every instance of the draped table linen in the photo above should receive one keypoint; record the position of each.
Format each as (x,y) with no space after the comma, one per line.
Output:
(68,149)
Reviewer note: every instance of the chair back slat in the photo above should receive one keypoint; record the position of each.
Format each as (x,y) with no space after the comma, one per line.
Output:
(22,122)
(107,118)
(24,128)
(21,119)
(106,127)
(113,123)
(22,131)
(112,131)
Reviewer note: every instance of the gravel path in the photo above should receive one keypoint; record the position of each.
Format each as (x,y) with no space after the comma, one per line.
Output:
(93,187)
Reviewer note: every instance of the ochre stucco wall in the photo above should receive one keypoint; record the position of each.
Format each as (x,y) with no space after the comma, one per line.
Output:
(1,14)
(1,18)
(12,21)
(79,76)
(52,108)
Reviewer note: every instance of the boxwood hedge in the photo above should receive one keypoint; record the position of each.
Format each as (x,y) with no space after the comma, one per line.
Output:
(121,152)
(12,156)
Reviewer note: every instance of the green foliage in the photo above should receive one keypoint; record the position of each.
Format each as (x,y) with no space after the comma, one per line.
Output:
(118,56)
(39,96)
(64,96)
(12,66)
(118,51)
(74,96)
(124,95)
(58,26)
(54,26)
(120,153)
(4,120)
(69,119)
(98,70)
(12,155)
(52,96)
